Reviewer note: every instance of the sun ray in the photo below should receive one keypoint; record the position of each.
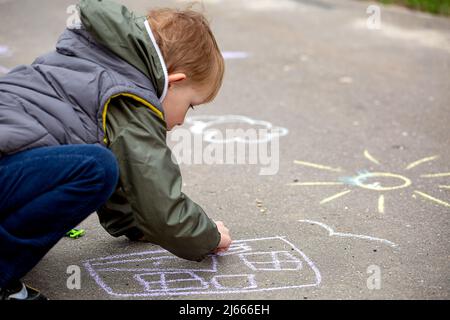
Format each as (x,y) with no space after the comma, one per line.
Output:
(381,204)
(337,195)
(444,187)
(416,163)
(427,196)
(436,175)
(317,166)
(370,157)
(315,183)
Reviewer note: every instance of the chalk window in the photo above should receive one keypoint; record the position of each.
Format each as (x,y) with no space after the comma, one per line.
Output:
(271,261)
(234,281)
(171,281)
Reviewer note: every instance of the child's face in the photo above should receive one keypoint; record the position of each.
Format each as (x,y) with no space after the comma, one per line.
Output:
(180,97)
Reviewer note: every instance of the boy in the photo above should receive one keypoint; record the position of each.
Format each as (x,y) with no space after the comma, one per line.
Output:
(83,129)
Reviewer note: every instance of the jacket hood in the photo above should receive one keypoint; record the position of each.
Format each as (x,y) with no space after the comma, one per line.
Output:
(128,36)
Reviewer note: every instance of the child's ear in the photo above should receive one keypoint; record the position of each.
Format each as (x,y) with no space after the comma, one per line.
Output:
(176,78)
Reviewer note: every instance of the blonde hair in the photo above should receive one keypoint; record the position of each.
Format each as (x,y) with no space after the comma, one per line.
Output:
(188,46)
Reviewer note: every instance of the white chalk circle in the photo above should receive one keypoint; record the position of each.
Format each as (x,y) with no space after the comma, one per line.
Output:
(204,125)
(361,181)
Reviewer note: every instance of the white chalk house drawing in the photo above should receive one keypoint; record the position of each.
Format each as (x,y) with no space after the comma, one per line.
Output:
(263,264)
(380,182)
(208,126)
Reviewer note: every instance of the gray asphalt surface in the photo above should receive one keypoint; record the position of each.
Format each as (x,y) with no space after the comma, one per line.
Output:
(352,98)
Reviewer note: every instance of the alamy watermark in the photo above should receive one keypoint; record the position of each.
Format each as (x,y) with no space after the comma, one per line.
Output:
(73,282)
(374,280)
(373,22)
(205,143)
(73,21)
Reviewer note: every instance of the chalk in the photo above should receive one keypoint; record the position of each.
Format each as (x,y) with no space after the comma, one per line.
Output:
(228,55)
(436,175)
(332,233)
(416,163)
(396,181)
(381,204)
(427,196)
(204,125)
(370,157)
(333,197)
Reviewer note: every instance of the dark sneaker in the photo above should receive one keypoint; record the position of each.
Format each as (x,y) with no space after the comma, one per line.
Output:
(20,291)
(134,234)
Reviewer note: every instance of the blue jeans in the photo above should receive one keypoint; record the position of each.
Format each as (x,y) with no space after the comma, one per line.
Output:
(45,192)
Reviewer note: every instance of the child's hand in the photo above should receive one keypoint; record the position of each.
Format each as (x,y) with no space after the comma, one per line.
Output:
(225,238)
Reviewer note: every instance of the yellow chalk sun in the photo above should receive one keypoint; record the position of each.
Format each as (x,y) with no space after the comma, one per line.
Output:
(384,181)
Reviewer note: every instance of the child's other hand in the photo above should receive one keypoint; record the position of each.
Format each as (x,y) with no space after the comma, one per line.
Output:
(225,238)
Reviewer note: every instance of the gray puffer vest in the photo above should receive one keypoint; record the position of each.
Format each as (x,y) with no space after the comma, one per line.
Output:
(61,98)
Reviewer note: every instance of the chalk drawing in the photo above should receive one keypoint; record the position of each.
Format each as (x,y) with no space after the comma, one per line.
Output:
(333,197)
(436,175)
(375,181)
(170,281)
(360,181)
(370,157)
(236,248)
(333,233)
(251,265)
(246,278)
(381,204)
(420,161)
(271,261)
(229,55)
(205,125)
(431,198)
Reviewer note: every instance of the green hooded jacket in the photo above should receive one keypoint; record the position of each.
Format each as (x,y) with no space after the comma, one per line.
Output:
(148,202)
